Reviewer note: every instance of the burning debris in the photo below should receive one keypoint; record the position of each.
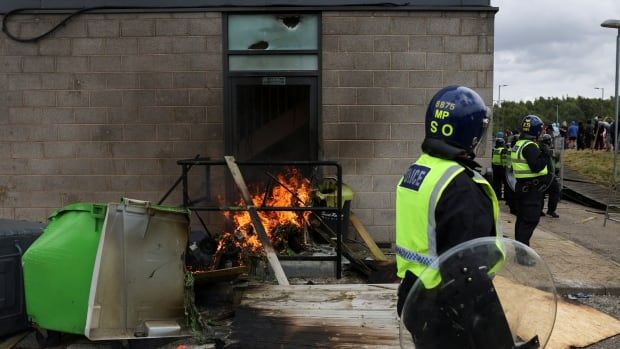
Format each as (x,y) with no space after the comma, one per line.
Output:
(287,230)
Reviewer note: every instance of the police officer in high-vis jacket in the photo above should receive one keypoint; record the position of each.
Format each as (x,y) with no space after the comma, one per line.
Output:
(441,200)
(529,164)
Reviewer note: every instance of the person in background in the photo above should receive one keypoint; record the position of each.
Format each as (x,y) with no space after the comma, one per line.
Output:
(563,133)
(553,186)
(607,137)
(599,136)
(614,134)
(572,132)
(529,164)
(588,134)
(580,136)
(498,160)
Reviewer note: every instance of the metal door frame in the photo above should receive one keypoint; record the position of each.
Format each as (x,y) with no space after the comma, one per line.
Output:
(232,137)
(229,77)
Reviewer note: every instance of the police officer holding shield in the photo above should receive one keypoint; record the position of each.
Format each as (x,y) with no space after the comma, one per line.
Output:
(441,200)
(529,163)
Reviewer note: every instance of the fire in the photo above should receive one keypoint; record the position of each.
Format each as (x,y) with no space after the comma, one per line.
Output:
(291,189)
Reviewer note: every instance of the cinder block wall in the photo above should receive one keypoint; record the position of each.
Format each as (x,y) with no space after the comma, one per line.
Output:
(379,72)
(105,107)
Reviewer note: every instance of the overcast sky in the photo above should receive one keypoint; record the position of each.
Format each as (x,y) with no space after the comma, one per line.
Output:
(554,48)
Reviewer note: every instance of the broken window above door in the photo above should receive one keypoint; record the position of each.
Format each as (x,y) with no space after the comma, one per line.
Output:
(273,32)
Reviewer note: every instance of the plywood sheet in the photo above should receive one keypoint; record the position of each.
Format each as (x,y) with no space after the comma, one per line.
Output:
(364,316)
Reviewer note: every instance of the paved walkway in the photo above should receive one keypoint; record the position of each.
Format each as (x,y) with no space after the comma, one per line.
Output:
(574,267)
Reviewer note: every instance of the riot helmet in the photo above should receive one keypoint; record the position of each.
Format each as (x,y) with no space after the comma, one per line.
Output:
(499,142)
(546,139)
(531,126)
(458,116)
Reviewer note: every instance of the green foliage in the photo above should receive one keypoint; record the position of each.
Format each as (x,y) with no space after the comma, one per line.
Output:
(569,109)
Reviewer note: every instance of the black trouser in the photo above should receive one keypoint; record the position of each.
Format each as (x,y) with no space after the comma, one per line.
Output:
(529,205)
(554,196)
(498,180)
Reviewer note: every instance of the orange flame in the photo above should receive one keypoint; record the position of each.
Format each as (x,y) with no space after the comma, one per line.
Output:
(292,189)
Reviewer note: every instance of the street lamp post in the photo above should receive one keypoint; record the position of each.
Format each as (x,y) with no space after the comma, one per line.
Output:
(499,102)
(615,24)
(602,92)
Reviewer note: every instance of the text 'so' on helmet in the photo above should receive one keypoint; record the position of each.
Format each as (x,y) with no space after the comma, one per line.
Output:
(532,126)
(458,116)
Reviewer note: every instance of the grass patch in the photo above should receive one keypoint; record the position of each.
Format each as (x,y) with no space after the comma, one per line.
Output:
(596,165)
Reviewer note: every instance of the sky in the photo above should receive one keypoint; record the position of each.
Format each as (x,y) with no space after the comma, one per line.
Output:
(554,48)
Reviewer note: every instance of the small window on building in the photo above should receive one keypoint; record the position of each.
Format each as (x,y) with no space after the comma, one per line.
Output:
(272,63)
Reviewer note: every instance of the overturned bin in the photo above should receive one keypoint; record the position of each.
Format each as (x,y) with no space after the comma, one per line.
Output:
(111,271)
(137,288)
(58,268)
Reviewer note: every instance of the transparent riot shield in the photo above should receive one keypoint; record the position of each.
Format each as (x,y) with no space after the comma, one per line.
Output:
(483,294)
(510,178)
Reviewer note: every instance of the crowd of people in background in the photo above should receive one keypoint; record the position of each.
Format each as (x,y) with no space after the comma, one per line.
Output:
(596,134)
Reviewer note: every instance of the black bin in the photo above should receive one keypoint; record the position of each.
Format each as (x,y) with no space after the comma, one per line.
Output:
(15,238)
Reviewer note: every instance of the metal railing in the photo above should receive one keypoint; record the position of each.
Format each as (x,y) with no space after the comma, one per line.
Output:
(193,205)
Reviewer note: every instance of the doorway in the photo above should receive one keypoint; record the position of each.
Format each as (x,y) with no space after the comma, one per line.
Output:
(273,118)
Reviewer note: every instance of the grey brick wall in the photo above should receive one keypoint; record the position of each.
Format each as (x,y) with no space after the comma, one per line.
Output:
(379,72)
(105,107)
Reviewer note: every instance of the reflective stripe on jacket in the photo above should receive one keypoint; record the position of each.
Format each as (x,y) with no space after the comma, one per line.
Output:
(417,195)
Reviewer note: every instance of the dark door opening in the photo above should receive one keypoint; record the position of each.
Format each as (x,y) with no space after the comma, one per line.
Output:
(273,118)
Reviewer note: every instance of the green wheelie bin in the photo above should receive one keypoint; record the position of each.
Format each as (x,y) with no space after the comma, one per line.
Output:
(58,268)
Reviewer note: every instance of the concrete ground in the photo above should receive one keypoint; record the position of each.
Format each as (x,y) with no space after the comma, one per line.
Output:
(583,256)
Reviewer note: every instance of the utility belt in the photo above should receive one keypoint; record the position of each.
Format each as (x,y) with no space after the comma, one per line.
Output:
(535,184)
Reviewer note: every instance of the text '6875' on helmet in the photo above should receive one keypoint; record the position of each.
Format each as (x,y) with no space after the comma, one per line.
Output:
(458,116)
(532,126)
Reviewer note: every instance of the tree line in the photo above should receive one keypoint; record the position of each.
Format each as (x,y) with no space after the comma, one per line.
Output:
(510,114)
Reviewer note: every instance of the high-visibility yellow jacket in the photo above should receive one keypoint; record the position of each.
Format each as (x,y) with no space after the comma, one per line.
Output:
(519,165)
(499,155)
(417,195)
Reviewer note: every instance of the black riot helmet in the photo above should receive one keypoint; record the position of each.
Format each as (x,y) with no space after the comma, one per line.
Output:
(458,116)
(531,126)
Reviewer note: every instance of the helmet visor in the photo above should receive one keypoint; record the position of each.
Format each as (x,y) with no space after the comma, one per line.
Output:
(480,145)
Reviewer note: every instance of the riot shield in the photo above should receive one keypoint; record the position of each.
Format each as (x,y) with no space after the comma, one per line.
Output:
(487,293)
(510,178)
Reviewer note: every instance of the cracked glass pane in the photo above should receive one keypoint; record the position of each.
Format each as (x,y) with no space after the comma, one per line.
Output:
(273,32)
(273,62)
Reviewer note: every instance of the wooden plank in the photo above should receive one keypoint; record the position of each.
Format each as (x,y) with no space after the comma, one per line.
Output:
(272,257)
(329,316)
(318,316)
(363,233)
(576,325)
(204,277)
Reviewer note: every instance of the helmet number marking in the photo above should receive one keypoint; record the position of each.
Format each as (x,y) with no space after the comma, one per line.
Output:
(445,105)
